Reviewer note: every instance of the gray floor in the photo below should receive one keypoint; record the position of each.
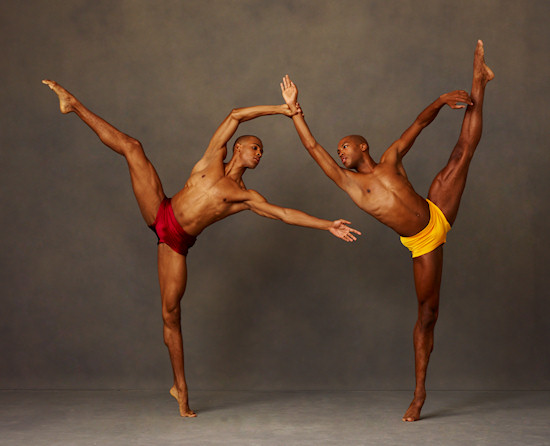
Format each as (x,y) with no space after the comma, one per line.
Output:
(272,418)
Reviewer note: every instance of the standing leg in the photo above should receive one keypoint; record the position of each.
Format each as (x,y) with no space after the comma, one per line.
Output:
(172,271)
(447,187)
(149,194)
(427,278)
(145,181)
(446,192)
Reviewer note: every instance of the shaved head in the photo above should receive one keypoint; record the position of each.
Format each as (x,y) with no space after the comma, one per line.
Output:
(246,138)
(358,139)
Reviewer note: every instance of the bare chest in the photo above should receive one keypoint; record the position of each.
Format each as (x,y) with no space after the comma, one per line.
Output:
(379,193)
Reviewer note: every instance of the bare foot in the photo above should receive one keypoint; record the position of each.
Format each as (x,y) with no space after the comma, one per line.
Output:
(413,412)
(66,99)
(185,411)
(481,70)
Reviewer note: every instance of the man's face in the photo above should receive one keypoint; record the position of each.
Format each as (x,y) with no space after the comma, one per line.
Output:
(251,152)
(349,152)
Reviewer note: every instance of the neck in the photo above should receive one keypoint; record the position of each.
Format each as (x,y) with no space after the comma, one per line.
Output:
(234,170)
(366,164)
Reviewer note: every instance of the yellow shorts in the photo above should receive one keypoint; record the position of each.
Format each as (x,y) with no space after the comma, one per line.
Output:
(432,236)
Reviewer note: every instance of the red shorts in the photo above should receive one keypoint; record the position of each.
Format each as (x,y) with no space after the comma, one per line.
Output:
(169,231)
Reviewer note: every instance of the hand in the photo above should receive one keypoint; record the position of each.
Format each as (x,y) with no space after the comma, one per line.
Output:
(290,112)
(452,98)
(289,91)
(340,230)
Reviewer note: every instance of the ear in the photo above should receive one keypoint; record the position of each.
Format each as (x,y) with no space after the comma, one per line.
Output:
(364,147)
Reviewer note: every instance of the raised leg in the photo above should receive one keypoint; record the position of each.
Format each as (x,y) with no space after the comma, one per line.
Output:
(172,271)
(448,186)
(427,278)
(145,180)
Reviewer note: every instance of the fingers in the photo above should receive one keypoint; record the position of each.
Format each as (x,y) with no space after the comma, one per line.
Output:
(286,82)
(463,96)
(49,83)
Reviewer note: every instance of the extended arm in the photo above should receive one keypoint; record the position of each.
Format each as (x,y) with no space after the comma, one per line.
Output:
(259,205)
(319,154)
(405,142)
(228,127)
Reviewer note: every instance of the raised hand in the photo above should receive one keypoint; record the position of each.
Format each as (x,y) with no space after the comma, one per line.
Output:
(289,91)
(452,99)
(340,229)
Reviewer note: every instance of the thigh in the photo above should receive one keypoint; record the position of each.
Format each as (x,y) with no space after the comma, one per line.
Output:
(172,271)
(427,277)
(448,186)
(146,184)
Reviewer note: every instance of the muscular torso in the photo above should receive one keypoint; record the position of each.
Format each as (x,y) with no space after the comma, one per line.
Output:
(387,195)
(208,196)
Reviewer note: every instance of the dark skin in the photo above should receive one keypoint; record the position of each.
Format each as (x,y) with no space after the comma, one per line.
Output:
(213,191)
(383,190)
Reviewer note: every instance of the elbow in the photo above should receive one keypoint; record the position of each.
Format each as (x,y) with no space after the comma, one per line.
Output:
(283,216)
(310,144)
(420,122)
(235,114)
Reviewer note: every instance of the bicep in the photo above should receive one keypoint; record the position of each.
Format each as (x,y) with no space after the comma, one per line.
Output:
(224,132)
(259,205)
(329,165)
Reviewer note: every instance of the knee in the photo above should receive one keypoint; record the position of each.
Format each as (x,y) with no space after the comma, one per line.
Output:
(171,317)
(427,316)
(132,148)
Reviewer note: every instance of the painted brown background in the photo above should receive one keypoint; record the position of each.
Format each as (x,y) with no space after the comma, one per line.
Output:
(268,306)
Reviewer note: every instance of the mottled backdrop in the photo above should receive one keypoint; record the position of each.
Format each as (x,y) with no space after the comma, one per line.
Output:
(268,306)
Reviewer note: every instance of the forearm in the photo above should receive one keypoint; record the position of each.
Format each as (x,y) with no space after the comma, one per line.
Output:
(317,152)
(307,138)
(429,113)
(247,113)
(262,207)
(299,218)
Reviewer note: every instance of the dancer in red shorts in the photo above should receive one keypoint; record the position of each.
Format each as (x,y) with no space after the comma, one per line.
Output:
(213,191)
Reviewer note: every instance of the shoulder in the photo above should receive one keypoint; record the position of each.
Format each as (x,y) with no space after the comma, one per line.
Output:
(209,162)
(391,155)
(254,196)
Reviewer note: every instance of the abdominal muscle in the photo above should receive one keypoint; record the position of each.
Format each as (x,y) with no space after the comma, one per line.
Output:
(395,204)
(200,204)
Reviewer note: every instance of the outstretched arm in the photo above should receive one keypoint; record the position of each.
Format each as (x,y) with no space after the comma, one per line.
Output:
(259,205)
(319,154)
(452,99)
(228,127)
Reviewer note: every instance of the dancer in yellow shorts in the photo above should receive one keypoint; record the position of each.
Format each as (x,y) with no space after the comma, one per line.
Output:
(432,236)
(383,190)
